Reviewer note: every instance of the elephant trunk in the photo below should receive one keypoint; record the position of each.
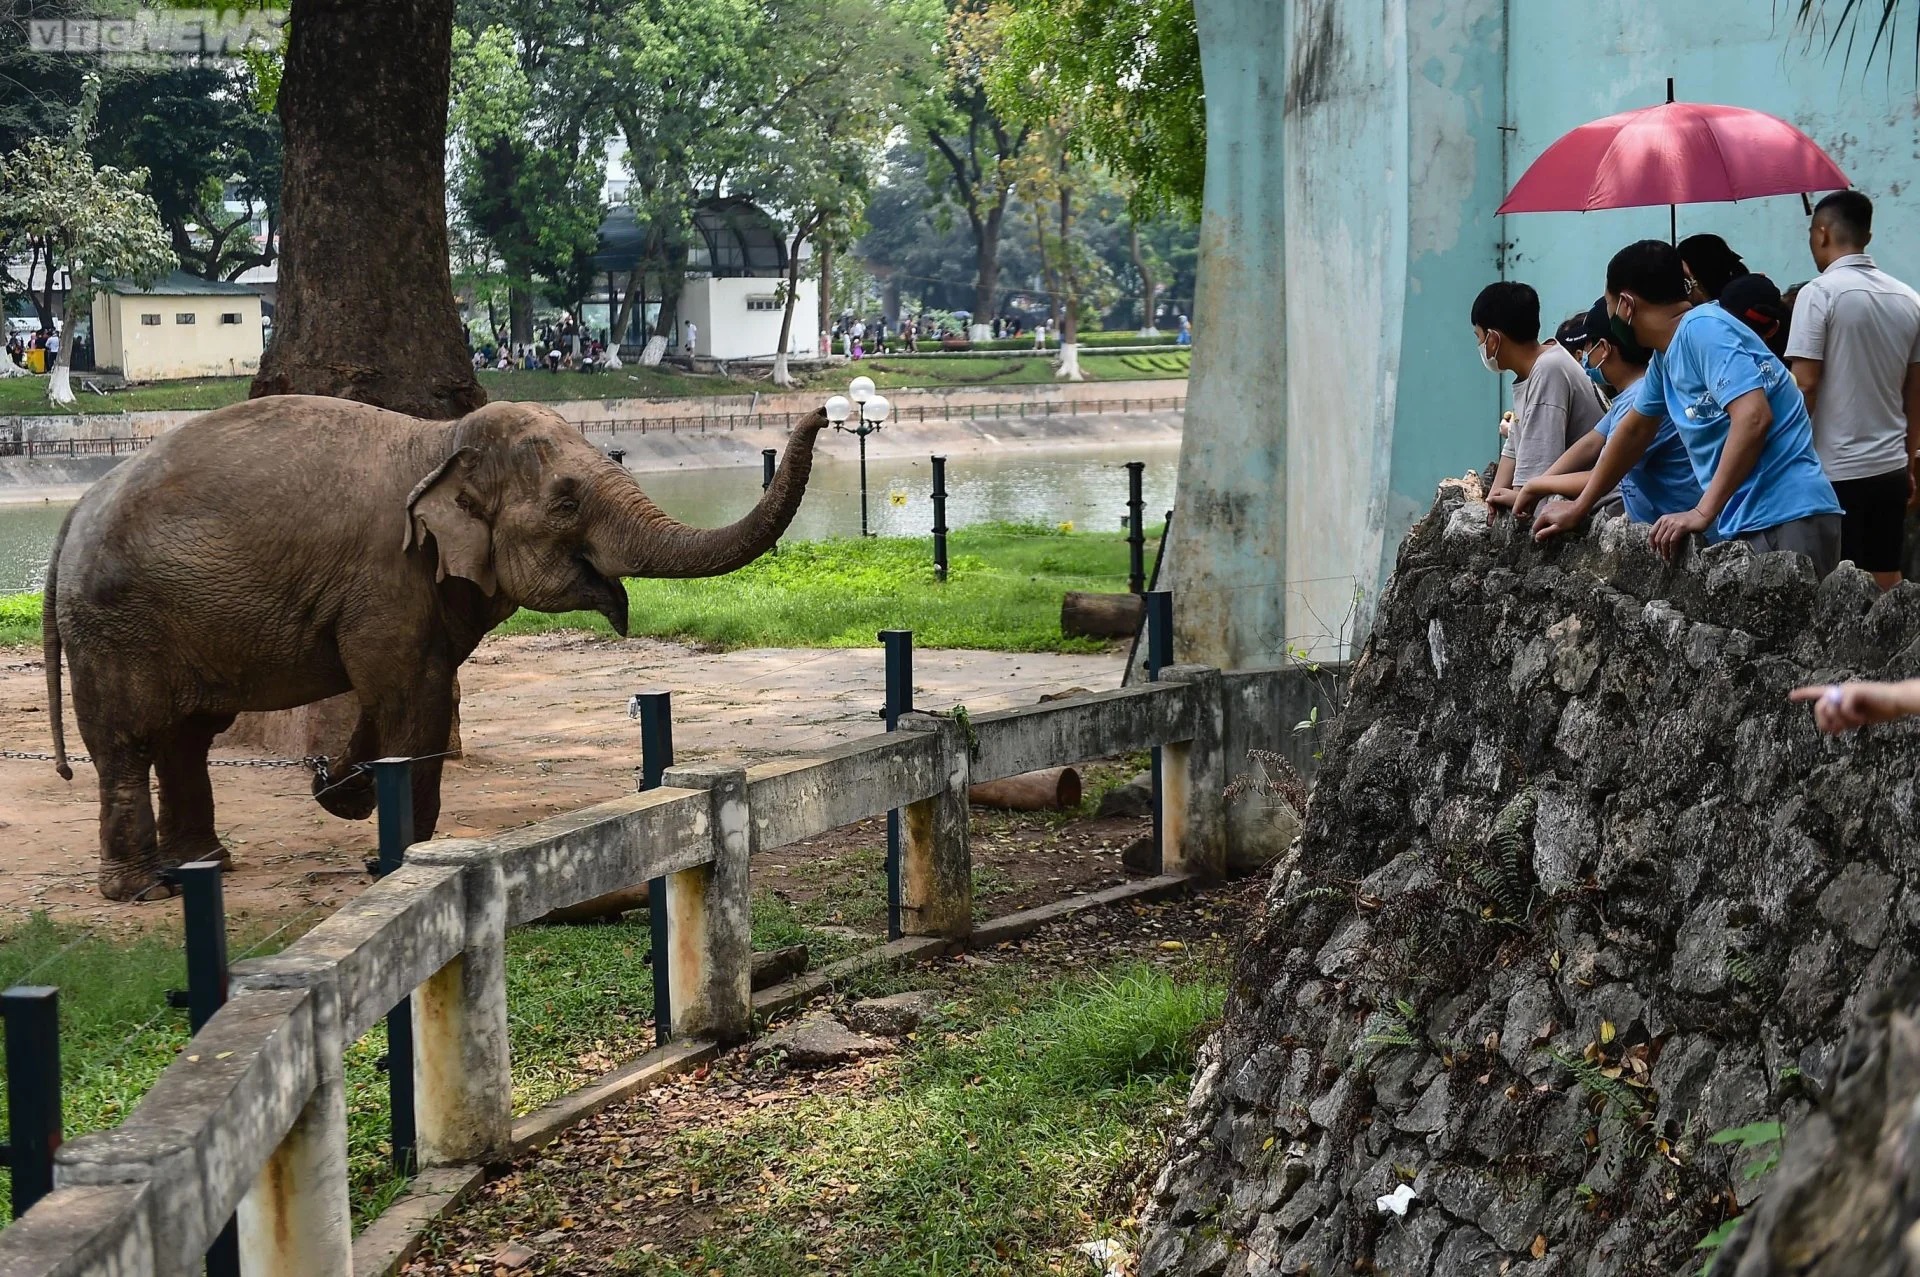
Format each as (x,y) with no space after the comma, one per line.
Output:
(641,540)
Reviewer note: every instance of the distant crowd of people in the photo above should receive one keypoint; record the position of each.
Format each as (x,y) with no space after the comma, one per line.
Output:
(46,339)
(558,347)
(1695,397)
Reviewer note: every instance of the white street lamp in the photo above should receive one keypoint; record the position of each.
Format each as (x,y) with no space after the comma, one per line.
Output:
(873,414)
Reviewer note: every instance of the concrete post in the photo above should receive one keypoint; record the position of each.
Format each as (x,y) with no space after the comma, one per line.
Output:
(709,915)
(296,1219)
(936,861)
(1194,781)
(462,1074)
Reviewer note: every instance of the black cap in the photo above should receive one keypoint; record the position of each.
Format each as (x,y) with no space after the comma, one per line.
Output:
(1598,326)
(1572,332)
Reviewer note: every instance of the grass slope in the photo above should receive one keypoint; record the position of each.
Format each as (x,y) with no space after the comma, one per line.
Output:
(27,396)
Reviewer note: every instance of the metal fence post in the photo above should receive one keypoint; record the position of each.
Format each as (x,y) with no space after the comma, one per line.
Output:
(939,518)
(393,789)
(1136,533)
(899,685)
(204,904)
(1159,656)
(32,1013)
(655,712)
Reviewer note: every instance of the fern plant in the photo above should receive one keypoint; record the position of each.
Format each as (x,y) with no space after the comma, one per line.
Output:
(1391,1029)
(1502,873)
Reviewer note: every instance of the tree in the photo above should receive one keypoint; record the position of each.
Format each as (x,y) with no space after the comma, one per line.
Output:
(200,134)
(842,72)
(1855,17)
(690,75)
(530,122)
(1124,76)
(93,223)
(977,145)
(366,306)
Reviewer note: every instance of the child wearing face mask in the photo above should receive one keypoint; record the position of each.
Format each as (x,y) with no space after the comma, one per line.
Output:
(1554,402)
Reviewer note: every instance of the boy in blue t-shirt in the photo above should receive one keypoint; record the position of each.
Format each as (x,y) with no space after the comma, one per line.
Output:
(1736,410)
(1662,481)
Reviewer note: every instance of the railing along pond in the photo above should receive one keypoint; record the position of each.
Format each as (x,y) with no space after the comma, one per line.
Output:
(251,1117)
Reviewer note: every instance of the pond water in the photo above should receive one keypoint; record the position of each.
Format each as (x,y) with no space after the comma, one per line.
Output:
(1087,487)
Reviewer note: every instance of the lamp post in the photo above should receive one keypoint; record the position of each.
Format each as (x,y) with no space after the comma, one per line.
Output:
(873,410)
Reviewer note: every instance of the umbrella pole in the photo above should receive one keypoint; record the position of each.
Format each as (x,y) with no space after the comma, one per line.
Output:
(1673,225)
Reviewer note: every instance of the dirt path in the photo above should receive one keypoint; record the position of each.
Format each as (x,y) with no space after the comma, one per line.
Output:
(545,726)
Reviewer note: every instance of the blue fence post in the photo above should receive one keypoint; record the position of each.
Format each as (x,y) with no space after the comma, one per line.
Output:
(655,712)
(899,686)
(203,902)
(1159,656)
(34,1127)
(939,518)
(1136,532)
(393,790)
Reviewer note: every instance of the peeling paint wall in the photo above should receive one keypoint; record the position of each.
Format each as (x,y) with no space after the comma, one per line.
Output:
(1357,151)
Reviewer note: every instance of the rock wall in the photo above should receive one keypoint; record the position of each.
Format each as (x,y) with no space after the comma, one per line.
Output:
(1578,891)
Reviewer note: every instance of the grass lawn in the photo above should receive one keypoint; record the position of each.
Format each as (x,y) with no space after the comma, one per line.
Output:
(989,1145)
(27,396)
(1002,594)
(579,997)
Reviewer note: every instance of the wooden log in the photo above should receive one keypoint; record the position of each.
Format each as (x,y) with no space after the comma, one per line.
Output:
(777,966)
(1108,616)
(607,908)
(1055,789)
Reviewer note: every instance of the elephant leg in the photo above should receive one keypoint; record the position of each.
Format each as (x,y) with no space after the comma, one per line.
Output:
(413,722)
(186,794)
(347,790)
(129,850)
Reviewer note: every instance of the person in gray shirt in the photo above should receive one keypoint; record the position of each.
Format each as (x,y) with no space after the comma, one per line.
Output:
(1854,346)
(1555,403)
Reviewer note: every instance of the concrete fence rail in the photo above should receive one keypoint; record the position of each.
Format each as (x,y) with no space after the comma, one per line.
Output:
(251,1117)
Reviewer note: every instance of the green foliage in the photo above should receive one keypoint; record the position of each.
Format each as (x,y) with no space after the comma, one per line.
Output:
(1745,1139)
(19,619)
(1503,873)
(1391,1029)
(1628,1103)
(1180,362)
(1123,76)
(1002,594)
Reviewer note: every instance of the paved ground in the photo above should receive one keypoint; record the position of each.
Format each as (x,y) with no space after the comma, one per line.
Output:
(546,730)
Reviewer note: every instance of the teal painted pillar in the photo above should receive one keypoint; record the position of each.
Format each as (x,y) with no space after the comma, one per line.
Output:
(1228,546)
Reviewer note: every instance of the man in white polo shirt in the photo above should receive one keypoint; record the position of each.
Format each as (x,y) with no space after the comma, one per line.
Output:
(1855,351)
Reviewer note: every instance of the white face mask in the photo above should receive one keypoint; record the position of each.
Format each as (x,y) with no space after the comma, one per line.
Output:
(1487,359)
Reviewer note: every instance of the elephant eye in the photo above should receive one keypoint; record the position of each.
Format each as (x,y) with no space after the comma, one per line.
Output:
(566,507)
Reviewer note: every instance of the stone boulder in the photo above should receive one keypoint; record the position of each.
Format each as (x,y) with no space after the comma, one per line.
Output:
(1578,892)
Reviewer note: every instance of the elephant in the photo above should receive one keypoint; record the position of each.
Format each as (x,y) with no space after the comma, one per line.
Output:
(294,547)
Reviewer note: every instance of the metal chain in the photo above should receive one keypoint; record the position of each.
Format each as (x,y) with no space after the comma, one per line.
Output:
(314,763)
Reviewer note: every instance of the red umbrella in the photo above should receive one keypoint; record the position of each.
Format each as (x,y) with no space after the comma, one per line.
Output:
(1677,153)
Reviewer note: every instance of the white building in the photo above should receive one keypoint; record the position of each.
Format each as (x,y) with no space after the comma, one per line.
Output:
(735,268)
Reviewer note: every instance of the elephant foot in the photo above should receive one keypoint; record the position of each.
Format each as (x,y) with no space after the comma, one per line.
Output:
(350,797)
(138,882)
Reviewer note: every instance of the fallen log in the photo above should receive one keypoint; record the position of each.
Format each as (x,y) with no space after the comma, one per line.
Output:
(1055,789)
(777,966)
(1107,616)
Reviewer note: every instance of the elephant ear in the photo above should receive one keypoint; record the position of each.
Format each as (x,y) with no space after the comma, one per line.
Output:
(446,505)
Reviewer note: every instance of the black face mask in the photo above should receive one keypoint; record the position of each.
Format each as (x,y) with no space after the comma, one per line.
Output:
(1623,337)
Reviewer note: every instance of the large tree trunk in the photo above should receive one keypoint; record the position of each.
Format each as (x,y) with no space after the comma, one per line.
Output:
(986,280)
(1070,306)
(1149,291)
(366,306)
(826,297)
(781,377)
(60,382)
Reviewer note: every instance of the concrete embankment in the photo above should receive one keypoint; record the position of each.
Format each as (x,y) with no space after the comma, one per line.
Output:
(681,434)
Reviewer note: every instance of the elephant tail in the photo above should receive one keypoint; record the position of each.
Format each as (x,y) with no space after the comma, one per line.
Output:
(50,649)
